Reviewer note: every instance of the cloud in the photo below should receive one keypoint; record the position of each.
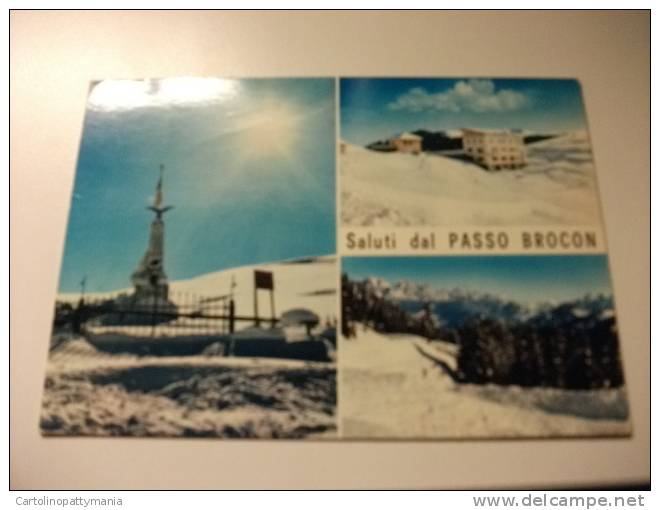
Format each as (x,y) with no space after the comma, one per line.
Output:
(476,96)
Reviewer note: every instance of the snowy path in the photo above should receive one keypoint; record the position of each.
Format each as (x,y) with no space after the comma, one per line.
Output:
(389,389)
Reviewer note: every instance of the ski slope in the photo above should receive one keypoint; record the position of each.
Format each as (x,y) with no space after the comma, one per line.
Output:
(556,187)
(391,388)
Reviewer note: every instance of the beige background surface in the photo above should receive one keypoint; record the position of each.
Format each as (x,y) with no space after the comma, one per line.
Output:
(55,54)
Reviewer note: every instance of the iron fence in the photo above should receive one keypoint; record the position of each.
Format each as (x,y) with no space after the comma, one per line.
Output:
(179,313)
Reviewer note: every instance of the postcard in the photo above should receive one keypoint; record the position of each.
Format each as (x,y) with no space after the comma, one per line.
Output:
(335,258)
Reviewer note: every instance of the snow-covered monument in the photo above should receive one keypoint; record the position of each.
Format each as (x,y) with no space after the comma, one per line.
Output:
(149,302)
(149,279)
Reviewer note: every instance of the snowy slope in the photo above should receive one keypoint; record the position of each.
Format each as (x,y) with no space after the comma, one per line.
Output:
(311,284)
(556,187)
(390,387)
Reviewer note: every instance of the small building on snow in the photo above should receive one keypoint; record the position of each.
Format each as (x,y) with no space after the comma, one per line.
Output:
(407,142)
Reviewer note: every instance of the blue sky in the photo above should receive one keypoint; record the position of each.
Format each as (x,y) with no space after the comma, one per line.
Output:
(249,167)
(525,278)
(376,108)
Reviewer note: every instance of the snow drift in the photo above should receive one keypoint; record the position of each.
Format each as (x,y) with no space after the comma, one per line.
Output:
(215,397)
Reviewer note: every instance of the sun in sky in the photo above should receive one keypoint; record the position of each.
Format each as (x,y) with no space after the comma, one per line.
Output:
(271,130)
(249,166)
(268,127)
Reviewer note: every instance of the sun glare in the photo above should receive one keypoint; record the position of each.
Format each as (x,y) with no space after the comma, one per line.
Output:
(113,95)
(270,131)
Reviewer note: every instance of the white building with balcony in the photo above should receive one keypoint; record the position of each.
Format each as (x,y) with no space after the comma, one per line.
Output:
(495,149)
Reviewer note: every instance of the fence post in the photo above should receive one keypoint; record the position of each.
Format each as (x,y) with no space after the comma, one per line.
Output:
(77,317)
(231,315)
(272,309)
(153,317)
(256,308)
